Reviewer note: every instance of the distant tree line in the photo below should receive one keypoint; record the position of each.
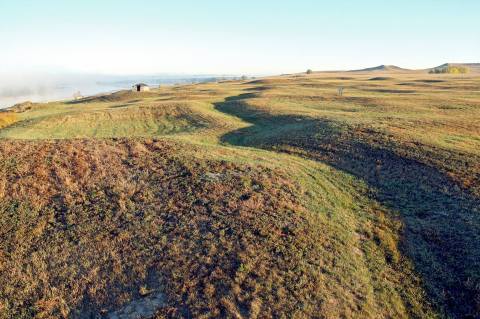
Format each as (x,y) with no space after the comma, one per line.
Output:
(450,70)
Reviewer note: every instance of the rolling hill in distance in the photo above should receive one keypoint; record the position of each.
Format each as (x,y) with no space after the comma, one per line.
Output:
(471,67)
(272,197)
(383,68)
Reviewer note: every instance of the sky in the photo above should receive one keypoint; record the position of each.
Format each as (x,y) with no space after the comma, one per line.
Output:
(234,37)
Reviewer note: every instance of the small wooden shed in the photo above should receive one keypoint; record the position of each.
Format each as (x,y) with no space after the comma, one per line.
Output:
(140,87)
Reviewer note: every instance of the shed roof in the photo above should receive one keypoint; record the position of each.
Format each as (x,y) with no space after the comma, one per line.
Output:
(141,84)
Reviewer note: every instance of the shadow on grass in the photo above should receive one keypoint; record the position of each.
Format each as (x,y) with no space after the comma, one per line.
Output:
(441,222)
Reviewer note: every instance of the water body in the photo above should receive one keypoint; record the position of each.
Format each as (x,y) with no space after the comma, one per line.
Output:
(64,88)
(9,97)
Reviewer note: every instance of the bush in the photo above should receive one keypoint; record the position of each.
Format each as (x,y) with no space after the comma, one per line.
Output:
(309,71)
(7,118)
(449,70)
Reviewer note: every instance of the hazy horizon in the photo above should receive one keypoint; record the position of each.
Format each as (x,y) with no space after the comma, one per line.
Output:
(45,87)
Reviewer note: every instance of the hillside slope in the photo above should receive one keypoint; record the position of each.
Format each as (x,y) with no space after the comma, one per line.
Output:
(384,68)
(267,198)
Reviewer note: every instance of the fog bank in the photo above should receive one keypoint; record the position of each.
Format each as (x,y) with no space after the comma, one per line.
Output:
(45,87)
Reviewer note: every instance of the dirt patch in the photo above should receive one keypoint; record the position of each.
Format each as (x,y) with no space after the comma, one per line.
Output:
(140,308)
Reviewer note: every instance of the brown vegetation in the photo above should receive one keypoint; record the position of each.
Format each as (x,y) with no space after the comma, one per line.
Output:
(85,225)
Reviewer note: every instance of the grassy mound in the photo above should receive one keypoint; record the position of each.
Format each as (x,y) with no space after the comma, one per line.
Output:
(87,227)
(113,121)
(92,223)
(120,96)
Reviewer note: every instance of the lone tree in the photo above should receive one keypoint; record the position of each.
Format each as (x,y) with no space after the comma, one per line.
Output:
(309,71)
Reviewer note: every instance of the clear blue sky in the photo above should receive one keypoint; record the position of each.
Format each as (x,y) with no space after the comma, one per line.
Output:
(226,36)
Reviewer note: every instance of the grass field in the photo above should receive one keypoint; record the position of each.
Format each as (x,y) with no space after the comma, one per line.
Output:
(269,198)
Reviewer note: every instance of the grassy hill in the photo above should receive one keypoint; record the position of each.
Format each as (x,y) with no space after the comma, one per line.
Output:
(275,197)
(384,68)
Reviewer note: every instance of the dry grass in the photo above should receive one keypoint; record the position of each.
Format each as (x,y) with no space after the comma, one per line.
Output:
(120,215)
(268,198)
(220,239)
(7,118)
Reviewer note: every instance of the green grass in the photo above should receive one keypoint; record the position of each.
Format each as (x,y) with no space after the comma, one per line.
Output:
(363,205)
(104,121)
